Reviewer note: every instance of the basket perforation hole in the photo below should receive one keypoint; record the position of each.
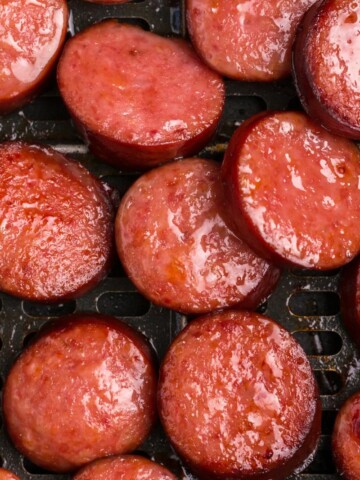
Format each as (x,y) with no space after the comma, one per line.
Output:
(313,304)
(322,463)
(46,108)
(129,304)
(34,309)
(315,273)
(120,182)
(117,270)
(34,469)
(329,381)
(237,109)
(319,342)
(328,421)
(28,338)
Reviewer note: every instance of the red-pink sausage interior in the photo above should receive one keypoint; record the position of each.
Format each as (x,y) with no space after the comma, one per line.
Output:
(238,399)
(152,99)
(248,40)
(84,389)
(174,242)
(125,467)
(31,36)
(56,224)
(294,190)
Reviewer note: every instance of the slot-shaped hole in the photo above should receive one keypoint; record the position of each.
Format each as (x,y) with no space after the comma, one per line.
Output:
(314,304)
(262,308)
(139,22)
(237,109)
(322,463)
(129,304)
(315,273)
(327,421)
(319,342)
(295,104)
(46,108)
(0,304)
(329,382)
(28,339)
(34,309)
(34,469)
(117,270)
(120,182)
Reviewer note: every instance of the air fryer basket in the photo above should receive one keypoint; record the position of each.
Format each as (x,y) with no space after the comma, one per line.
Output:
(306,303)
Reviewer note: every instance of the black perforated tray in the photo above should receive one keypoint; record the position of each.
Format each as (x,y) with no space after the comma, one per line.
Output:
(306,303)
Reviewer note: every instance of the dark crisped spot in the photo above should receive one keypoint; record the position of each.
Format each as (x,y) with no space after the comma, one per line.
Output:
(268,454)
(341,169)
(133,52)
(356,424)
(352,18)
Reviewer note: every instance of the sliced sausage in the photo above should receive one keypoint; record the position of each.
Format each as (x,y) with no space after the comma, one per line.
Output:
(126,467)
(174,242)
(247,40)
(346,439)
(350,299)
(56,225)
(32,34)
(7,475)
(238,399)
(326,65)
(294,191)
(84,389)
(151,100)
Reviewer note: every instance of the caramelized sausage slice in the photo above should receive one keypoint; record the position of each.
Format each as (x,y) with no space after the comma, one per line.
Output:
(247,40)
(173,239)
(56,225)
(346,439)
(238,399)
(84,389)
(326,65)
(125,467)
(32,34)
(151,100)
(294,191)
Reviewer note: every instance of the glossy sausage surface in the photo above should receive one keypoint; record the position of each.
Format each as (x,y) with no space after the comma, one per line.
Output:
(174,241)
(152,99)
(84,389)
(238,399)
(294,190)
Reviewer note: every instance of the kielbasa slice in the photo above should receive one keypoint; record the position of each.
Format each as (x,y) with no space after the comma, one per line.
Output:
(7,475)
(32,34)
(350,299)
(174,242)
(326,65)
(248,40)
(152,99)
(346,439)
(238,399)
(84,389)
(294,191)
(125,467)
(56,225)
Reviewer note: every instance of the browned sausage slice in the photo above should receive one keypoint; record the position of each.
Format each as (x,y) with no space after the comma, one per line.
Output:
(247,40)
(326,65)
(152,99)
(238,399)
(32,33)
(84,389)
(346,439)
(350,299)
(294,191)
(174,243)
(55,224)
(7,475)
(126,467)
